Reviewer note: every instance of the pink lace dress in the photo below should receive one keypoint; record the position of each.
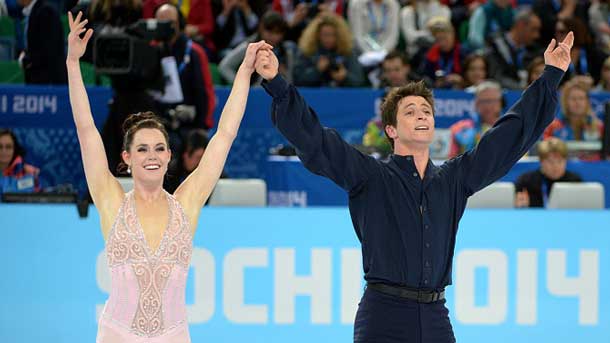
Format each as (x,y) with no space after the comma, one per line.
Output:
(147,298)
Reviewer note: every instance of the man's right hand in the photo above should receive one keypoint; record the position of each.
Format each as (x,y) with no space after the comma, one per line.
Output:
(266,64)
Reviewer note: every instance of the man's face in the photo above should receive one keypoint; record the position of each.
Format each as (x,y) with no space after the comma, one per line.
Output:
(395,72)
(445,40)
(170,13)
(553,166)
(531,30)
(414,122)
(488,104)
(274,38)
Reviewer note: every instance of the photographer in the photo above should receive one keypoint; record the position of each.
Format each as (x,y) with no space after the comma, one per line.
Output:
(326,58)
(189,108)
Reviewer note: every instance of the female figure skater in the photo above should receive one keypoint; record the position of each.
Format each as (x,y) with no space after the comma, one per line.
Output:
(148,232)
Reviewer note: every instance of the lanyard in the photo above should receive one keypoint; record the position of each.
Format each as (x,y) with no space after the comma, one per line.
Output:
(583,65)
(378,29)
(187,56)
(545,193)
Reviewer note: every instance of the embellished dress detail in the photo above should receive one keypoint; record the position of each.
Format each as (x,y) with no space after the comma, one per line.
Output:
(147,298)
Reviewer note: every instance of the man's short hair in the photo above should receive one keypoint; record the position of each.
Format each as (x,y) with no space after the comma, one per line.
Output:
(397,54)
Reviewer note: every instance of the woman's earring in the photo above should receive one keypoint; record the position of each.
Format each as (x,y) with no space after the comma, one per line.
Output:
(128,169)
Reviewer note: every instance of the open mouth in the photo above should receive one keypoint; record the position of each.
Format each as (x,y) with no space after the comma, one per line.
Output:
(152,167)
(422,128)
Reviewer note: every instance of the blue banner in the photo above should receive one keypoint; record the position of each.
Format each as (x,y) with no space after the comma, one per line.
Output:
(295,275)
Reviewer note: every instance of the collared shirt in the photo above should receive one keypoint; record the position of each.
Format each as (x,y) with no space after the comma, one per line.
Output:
(28,9)
(407,225)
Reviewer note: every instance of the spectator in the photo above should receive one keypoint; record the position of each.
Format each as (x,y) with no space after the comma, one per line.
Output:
(199,20)
(17,176)
(235,21)
(195,109)
(272,29)
(535,69)
(326,58)
(475,71)
(118,13)
(466,133)
(585,58)
(442,66)
(299,13)
(604,80)
(577,122)
(549,11)
(375,24)
(494,17)
(533,188)
(511,52)
(44,54)
(195,143)
(599,12)
(396,71)
(413,21)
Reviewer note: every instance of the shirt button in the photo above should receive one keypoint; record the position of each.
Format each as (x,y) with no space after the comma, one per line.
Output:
(427,245)
(426,282)
(426,226)
(415,174)
(427,263)
(408,158)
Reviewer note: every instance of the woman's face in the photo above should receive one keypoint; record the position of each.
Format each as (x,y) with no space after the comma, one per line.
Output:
(577,102)
(148,156)
(476,71)
(328,37)
(7,149)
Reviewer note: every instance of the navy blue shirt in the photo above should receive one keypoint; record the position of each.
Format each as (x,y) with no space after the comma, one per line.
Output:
(407,225)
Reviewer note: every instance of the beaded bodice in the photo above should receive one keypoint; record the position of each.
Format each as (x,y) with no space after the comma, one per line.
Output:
(147,296)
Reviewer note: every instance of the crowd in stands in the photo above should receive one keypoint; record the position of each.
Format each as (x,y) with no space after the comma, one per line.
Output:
(481,47)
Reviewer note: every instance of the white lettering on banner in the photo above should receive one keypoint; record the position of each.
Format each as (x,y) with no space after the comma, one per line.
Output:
(288,285)
(527,286)
(288,198)
(235,309)
(453,108)
(351,283)
(585,287)
(204,268)
(496,263)
(34,104)
(3,104)
(317,285)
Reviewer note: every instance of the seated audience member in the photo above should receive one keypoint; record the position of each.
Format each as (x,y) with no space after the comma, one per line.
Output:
(195,143)
(466,133)
(325,55)
(17,176)
(599,12)
(509,53)
(413,19)
(577,121)
(533,188)
(396,70)
(442,66)
(604,81)
(475,72)
(491,18)
(586,59)
(272,29)
(299,13)
(235,21)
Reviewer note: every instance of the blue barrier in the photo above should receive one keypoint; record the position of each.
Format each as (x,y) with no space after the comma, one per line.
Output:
(42,120)
(294,275)
(290,184)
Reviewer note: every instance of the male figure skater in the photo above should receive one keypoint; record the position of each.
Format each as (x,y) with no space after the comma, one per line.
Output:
(406,211)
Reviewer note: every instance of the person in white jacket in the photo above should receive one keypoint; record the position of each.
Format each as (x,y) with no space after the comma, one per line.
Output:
(374,24)
(413,22)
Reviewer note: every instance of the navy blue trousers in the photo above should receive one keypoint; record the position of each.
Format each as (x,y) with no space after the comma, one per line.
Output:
(383,318)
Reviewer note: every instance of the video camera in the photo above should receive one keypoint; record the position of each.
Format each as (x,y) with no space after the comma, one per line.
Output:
(128,51)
